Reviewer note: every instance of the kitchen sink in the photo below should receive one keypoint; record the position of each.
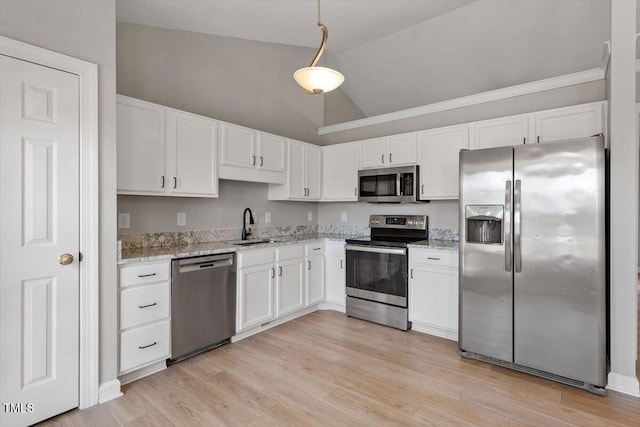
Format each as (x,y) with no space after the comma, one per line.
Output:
(253,242)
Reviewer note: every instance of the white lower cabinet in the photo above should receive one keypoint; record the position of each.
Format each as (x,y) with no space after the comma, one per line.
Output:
(433,292)
(145,310)
(315,279)
(255,295)
(290,279)
(335,273)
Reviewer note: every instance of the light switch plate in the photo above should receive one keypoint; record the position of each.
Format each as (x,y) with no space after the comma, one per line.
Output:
(181,219)
(344,217)
(309,216)
(123,220)
(267,217)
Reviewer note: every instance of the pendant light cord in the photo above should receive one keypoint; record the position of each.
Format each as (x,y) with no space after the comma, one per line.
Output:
(325,35)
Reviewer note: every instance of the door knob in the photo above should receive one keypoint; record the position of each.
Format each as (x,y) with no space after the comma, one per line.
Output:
(65,259)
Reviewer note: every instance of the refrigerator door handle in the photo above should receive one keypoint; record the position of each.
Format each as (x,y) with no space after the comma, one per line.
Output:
(517,225)
(507,226)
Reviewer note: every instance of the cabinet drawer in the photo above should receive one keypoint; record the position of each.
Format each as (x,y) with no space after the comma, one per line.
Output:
(144,273)
(255,257)
(290,252)
(439,258)
(315,248)
(144,345)
(144,304)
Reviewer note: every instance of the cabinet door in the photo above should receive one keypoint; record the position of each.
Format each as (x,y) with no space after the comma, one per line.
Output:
(238,146)
(403,149)
(290,286)
(503,132)
(567,123)
(439,162)
(297,188)
(141,147)
(313,173)
(373,153)
(340,172)
(315,279)
(193,154)
(272,153)
(433,297)
(335,279)
(255,299)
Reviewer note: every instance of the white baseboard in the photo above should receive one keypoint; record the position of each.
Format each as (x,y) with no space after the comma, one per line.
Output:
(109,391)
(449,334)
(141,373)
(332,306)
(623,384)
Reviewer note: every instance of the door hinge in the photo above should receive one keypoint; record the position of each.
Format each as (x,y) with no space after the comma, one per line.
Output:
(80,257)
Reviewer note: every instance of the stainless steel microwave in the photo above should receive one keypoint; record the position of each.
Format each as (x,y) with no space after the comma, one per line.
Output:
(389,185)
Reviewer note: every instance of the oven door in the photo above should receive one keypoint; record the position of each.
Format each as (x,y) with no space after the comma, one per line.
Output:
(377,273)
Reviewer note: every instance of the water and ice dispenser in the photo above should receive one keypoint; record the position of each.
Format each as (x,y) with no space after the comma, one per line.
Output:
(484,223)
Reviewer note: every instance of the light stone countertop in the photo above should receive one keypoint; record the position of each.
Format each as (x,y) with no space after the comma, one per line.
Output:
(438,245)
(161,253)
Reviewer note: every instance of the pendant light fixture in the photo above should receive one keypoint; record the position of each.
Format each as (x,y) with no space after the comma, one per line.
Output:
(316,80)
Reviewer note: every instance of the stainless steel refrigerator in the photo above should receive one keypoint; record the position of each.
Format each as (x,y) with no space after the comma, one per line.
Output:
(533,259)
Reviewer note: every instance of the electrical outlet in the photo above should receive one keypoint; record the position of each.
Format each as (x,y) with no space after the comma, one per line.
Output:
(267,217)
(309,216)
(182,219)
(123,220)
(344,217)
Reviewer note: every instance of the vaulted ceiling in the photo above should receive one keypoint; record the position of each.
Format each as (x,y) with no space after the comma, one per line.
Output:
(398,54)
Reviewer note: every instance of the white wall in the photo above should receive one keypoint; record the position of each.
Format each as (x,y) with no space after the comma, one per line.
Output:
(85,30)
(156,214)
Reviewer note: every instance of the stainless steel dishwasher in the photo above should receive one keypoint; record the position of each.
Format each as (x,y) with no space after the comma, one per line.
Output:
(203,303)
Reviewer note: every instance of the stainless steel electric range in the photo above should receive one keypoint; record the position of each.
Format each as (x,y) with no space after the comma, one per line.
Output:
(377,269)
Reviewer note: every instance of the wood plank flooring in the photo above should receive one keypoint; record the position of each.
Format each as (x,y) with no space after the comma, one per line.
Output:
(327,369)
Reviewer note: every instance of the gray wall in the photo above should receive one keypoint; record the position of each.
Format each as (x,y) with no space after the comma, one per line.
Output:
(339,108)
(442,214)
(155,214)
(85,30)
(244,82)
(571,95)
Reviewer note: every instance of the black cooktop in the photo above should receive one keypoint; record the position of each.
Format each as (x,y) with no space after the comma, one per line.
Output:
(368,241)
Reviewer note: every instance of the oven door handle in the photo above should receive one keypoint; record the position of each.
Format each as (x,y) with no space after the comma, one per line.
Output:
(376,249)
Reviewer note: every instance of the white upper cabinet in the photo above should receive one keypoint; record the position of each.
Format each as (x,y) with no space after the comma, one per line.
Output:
(396,150)
(439,150)
(250,155)
(304,174)
(340,165)
(141,147)
(502,132)
(194,155)
(162,151)
(570,122)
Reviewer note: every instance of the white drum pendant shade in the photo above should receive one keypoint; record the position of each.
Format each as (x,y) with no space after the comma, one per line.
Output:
(317,80)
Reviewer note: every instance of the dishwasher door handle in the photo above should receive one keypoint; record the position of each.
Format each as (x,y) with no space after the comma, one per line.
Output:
(205,263)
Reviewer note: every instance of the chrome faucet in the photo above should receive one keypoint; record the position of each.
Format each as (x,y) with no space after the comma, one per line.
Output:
(246,232)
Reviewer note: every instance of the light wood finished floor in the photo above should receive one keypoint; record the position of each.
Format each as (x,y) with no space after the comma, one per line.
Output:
(328,369)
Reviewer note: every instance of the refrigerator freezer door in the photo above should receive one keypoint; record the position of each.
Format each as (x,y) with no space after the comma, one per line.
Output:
(559,287)
(486,290)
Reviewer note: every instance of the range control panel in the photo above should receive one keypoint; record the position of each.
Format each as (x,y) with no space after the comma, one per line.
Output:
(416,222)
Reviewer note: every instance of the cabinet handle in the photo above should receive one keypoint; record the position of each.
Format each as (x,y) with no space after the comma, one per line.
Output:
(538,139)
(146,275)
(279,271)
(148,305)
(390,157)
(308,265)
(273,273)
(341,263)
(316,249)
(253,160)
(261,161)
(524,140)
(147,346)
(175,182)
(411,273)
(355,191)
(383,158)
(162,181)
(433,258)
(422,189)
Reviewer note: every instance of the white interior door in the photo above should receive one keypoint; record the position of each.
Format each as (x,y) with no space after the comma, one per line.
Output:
(39,221)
